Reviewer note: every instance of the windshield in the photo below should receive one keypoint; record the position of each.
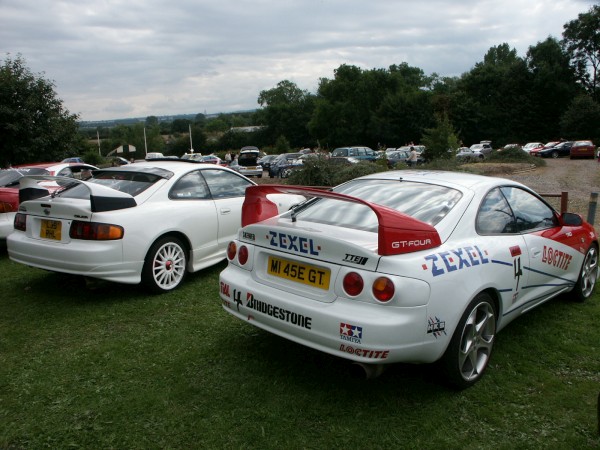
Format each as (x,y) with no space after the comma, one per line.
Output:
(132,183)
(428,203)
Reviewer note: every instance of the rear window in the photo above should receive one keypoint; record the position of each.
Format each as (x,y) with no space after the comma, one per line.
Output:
(428,203)
(132,183)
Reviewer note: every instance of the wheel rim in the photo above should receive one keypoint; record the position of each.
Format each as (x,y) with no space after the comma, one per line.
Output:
(477,341)
(555,155)
(168,266)
(589,272)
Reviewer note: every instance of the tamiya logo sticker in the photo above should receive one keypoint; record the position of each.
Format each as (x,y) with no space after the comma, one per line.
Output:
(351,333)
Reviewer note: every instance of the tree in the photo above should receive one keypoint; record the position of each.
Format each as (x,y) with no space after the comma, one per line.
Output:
(582,119)
(581,38)
(440,139)
(34,125)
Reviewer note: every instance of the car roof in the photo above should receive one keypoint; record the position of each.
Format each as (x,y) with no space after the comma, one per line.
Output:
(161,166)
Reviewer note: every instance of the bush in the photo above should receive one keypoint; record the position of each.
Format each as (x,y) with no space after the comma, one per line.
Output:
(513,155)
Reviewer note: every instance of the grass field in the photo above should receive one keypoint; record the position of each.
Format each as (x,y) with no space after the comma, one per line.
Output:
(108,366)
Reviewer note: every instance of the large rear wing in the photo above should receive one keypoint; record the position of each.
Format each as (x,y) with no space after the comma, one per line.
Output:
(397,233)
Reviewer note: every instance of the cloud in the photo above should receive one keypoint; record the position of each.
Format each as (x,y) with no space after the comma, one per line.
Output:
(114,58)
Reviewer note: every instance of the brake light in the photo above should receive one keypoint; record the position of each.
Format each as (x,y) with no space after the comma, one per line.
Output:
(243,255)
(383,289)
(231,251)
(6,207)
(353,284)
(20,222)
(93,231)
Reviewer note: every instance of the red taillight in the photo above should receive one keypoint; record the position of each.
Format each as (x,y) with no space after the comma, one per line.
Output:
(243,255)
(353,284)
(93,231)
(231,250)
(20,222)
(383,289)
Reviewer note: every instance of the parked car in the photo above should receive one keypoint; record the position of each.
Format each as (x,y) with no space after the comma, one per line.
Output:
(484,148)
(192,156)
(212,159)
(73,159)
(280,166)
(400,157)
(555,150)
(266,161)
(361,153)
(154,155)
(536,151)
(582,149)
(247,162)
(531,145)
(149,222)
(469,155)
(424,270)
(10,182)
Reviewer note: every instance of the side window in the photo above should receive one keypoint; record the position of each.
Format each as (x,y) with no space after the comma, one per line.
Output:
(352,152)
(224,184)
(66,172)
(530,212)
(494,215)
(191,186)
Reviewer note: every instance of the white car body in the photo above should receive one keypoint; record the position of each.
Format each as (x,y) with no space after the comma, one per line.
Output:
(290,278)
(181,222)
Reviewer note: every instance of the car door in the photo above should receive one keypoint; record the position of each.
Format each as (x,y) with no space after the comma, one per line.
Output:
(553,249)
(227,190)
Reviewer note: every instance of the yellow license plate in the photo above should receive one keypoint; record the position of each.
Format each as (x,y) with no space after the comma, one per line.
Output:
(300,273)
(51,229)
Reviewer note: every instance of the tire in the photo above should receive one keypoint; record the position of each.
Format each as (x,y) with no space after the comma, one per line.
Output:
(587,276)
(165,265)
(554,154)
(470,349)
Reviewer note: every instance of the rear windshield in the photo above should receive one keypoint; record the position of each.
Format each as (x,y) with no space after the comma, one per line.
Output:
(428,203)
(11,177)
(132,183)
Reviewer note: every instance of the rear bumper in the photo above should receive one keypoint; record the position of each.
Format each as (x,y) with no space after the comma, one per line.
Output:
(97,259)
(6,224)
(379,334)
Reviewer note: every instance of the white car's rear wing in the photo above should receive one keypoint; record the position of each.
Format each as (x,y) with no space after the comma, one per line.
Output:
(398,233)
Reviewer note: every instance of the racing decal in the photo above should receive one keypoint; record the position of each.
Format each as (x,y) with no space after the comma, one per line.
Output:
(249,236)
(282,314)
(350,333)
(454,260)
(225,289)
(515,251)
(365,353)
(556,258)
(355,259)
(298,244)
(415,243)
(436,327)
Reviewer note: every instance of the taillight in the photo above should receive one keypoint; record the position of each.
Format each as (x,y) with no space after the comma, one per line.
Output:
(93,231)
(20,222)
(6,207)
(383,289)
(353,284)
(243,255)
(231,251)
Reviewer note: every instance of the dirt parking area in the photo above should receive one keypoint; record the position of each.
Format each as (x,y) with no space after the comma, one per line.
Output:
(578,177)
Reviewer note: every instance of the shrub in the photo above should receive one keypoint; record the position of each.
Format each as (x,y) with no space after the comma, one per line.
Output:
(323,172)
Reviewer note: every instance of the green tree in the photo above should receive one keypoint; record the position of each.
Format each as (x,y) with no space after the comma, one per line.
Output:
(440,139)
(152,121)
(581,120)
(34,125)
(581,38)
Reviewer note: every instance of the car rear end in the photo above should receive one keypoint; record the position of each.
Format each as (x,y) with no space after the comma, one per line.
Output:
(320,283)
(582,149)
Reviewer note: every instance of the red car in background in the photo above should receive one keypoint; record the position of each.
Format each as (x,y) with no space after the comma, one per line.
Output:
(583,149)
(9,186)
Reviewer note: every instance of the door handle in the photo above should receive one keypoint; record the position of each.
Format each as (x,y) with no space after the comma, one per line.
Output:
(535,252)
(225,210)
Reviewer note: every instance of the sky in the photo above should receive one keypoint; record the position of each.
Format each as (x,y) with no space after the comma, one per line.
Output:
(113,59)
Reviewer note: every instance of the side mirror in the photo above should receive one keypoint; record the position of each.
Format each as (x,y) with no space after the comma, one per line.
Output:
(570,219)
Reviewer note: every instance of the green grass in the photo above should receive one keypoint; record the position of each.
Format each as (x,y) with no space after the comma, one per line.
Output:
(113,367)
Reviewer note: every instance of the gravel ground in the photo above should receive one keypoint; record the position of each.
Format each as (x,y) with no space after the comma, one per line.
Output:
(578,177)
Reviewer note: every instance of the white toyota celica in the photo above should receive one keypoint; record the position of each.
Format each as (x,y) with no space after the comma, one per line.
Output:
(407,266)
(149,222)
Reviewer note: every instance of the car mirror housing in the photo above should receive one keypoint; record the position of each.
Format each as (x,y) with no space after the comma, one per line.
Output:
(571,219)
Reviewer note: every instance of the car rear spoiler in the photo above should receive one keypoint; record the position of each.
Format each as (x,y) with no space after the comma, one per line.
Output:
(102,198)
(398,233)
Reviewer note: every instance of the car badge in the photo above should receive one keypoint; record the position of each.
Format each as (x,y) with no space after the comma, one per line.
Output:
(47,212)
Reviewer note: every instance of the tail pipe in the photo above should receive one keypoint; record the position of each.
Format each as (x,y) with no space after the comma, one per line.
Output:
(367,371)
